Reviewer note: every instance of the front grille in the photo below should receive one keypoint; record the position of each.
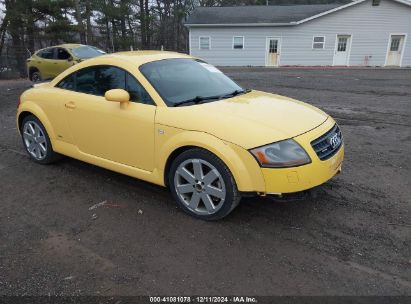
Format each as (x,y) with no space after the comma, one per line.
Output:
(328,144)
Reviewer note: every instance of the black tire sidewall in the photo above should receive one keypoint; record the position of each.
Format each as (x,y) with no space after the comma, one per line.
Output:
(232,194)
(39,76)
(51,155)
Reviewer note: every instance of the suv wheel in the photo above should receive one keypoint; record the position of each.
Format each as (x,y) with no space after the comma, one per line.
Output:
(36,76)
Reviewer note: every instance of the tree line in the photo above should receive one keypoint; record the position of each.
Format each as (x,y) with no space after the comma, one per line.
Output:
(112,25)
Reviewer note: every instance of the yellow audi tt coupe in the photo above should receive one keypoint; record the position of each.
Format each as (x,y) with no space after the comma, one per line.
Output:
(176,121)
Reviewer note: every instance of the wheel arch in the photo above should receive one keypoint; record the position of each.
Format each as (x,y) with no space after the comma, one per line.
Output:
(21,117)
(241,164)
(39,114)
(171,158)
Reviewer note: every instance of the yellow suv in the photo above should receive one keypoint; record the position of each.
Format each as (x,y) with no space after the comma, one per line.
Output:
(49,62)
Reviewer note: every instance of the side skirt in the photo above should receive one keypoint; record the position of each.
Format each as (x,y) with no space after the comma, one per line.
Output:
(72,151)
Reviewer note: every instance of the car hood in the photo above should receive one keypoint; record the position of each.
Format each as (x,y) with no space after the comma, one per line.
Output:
(41,84)
(248,120)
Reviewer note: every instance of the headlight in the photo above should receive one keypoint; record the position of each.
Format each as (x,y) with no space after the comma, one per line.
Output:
(282,154)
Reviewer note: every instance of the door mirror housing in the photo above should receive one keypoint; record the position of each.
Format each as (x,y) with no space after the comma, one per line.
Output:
(70,59)
(118,95)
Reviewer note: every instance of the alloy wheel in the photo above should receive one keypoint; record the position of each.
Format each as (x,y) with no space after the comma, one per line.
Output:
(36,77)
(35,140)
(200,186)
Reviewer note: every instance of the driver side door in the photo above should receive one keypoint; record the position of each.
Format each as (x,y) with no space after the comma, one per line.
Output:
(101,128)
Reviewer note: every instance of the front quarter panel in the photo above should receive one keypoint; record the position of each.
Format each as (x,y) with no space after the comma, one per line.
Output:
(242,165)
(29,105)
(41,102)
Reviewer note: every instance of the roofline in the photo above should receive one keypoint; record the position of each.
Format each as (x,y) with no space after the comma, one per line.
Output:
(355,2)
(238,24)
(404,2)
(331,11)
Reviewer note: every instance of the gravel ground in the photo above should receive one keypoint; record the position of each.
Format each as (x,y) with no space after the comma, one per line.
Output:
(353,238)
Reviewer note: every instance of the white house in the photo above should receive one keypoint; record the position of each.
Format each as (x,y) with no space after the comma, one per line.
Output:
(361,33)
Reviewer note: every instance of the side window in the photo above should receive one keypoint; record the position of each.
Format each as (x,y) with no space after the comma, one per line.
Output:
(137,91)
(62,54)
(47,53)
(85,81)
(68,83)
(99,79)
(109,77)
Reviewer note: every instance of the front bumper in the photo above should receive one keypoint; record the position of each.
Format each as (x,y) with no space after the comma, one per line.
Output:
(295,179)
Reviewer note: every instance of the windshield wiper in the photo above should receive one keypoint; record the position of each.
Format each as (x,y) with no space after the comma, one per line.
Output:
(236,92)
(196,100)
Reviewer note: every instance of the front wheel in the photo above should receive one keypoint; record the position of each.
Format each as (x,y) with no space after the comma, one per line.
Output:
(202,185)
(37,142)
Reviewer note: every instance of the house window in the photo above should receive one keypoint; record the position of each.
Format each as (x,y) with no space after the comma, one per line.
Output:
(204,43)
(238,42)
(318,42)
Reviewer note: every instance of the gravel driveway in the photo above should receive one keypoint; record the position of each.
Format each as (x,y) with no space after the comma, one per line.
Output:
(75,229)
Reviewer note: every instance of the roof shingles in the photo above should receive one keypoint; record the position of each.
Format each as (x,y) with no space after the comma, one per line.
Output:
(276,14)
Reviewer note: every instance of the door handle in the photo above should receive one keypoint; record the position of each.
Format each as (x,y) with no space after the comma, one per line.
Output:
(70,105)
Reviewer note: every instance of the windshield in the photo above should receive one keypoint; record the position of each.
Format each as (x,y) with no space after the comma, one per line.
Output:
(87,52)
(179,80)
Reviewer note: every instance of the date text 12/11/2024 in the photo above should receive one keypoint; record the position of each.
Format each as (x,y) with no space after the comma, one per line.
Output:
(203,299)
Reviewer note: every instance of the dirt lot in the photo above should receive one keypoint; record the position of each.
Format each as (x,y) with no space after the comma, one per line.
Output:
(352,239)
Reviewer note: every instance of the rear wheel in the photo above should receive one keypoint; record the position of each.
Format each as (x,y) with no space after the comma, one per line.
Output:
(37,142)
(202,185)
(36,76)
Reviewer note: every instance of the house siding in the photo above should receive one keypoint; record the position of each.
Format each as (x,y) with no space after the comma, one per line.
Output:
(370,28)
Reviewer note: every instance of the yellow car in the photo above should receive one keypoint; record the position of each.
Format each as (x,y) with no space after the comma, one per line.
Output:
(49,62)
(176,121)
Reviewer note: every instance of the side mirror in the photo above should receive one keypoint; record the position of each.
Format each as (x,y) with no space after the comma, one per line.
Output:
(118,95)
(70,59)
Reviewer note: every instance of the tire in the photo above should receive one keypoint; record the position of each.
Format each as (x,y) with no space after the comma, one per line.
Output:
(37,142)
(202,185)
(36,76)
